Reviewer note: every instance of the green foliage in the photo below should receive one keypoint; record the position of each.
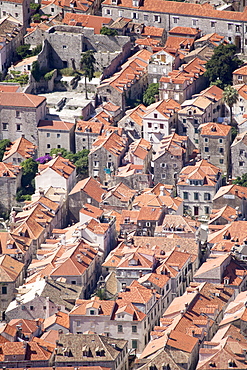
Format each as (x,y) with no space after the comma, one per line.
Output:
(23,51)
(234,132)
(36,50)
(20,79)
(22,195)
(36,17)
(3,145)
(230,97)
(87,63)
(108,31)
(34,6)
(48,75)
(222,64)
(149,95)
(29,170)
(67,72)
(79,159)
(242,181)
(35,71)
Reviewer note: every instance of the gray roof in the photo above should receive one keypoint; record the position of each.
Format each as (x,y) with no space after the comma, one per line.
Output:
(75,344)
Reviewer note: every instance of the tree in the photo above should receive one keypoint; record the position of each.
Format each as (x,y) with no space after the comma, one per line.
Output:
(3,145)
(35,71)
(230,97)
(23,51)
(222,64)
(87,65)
(149,95)
(29,170)
(242,181)
(108,31)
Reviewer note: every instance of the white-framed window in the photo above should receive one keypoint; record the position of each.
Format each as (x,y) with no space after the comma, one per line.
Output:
(213,24)
(120,13)
(157,18)
(134,15)
(194,22)
(163,175)
(175,20)
(108,11)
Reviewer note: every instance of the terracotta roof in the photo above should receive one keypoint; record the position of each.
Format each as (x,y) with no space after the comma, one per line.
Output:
(60,165)
(9,170)
(185,31)
(236,190)
(55,125)
(9,88)
(172,7)
(21,146)
(86,20)
(89,126)
(10,269)
(202,170)
(182,341)
(214,129)
(241,71)
(152,31)
(90,210)
(59,318)
(16,99)
(90,186)
(113,143)
(121,192)
(27,326)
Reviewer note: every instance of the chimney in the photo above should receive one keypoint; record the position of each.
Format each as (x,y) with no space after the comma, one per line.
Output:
(162,188)
(124,287)
(41,192)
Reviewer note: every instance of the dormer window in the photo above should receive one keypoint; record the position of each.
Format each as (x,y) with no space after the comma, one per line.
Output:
(136,3)
(92,312)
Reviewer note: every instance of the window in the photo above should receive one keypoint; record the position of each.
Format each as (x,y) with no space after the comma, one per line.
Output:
(4,290)
(148,224)
(92,312)
(163,165)
(149,124)
(185,129)
(163,176)
(48,146)
(213,23)
(145,17)
(237,28)
(196,130)
(134,15)
(58,135)
(18,127)
(73,282)
(157,18)
(48,134)
(58,146)
(206,149)
(108,11)
(220,141)
(5,126)
(206,139)
(196,196)
(185,195)
(221,150)
(240,77)
(4,13)
(162,126)
(64,46)
(207,196)
(17,114)
(120,13)
(52,10)
(194,22)
(134,343)
(175,19)
(184,120)
(241,152)
(120,328)
(230,26)
(241,164)
(16,15)
(134,329)
(221,161)
(31,308)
